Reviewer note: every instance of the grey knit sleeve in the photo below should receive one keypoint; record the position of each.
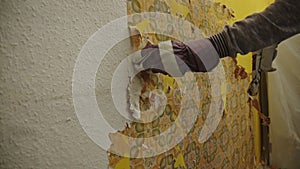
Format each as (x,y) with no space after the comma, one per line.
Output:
(276,23)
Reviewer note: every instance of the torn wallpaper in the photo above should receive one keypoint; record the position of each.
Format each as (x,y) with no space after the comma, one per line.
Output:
(217,138)
(210,17)
(230,146)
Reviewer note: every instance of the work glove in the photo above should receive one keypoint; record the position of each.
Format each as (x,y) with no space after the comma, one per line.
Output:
(176,58)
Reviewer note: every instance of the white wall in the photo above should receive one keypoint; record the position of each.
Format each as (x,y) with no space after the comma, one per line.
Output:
(40,41)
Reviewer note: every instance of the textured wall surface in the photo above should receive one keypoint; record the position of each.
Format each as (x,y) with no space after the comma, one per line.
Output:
(40,41)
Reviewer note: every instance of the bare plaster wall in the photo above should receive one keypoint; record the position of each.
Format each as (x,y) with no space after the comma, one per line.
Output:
(39,43)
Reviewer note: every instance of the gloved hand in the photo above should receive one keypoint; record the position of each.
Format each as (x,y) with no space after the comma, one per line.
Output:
(176,58)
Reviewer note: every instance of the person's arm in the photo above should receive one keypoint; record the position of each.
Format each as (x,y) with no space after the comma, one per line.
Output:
(276,23)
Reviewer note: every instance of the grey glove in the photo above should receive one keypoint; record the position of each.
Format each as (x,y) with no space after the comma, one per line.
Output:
(176,58)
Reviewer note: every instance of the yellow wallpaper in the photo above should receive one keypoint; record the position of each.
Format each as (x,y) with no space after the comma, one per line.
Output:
(231,145)
(206,15)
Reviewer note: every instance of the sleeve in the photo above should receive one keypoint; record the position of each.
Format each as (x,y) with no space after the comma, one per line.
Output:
(276,23)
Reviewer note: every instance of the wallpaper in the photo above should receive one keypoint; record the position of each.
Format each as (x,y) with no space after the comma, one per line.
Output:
(218,136)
